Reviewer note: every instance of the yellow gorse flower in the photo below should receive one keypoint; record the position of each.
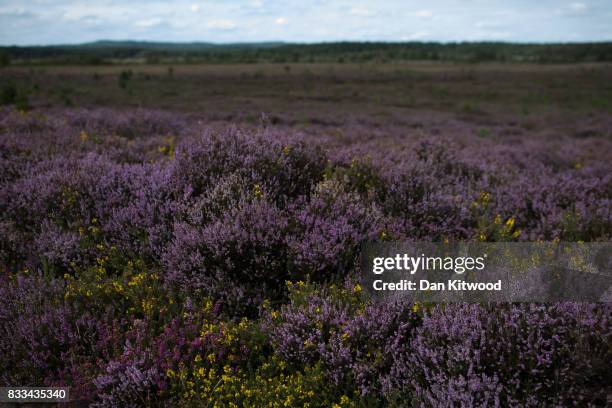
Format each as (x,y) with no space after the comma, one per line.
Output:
(257,191)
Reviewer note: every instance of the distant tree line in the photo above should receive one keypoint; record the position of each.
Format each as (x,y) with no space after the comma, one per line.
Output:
(105,52)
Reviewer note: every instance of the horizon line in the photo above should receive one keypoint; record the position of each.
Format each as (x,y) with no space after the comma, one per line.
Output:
(283,42)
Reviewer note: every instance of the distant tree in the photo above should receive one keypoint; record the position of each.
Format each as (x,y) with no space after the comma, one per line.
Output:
(327,52)
(124,77)
(152,59)
(5,59)
(8,95)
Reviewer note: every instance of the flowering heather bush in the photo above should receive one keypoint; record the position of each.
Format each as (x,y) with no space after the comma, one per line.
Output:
(145,259)
(285,168)
(470,355)
(48,341)
(327,232)
(526,355)
(241,255)
(337,330)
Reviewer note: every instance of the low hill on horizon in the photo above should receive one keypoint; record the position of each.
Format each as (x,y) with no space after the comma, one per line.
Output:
(108,51)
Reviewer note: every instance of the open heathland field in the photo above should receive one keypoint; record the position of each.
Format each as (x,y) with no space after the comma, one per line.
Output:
(189,235)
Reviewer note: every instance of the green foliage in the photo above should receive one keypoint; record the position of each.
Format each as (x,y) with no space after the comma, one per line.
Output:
(483,132)
(124,78)
(272,384)
(118,280)
(22,103)
(8,95)
(262,379)
(65,97)
(492,228)
(5,59)
(11,95)
(360,176)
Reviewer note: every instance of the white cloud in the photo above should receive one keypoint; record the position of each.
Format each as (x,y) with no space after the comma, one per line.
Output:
(76,13)
(415,36)
(150,22)
(360,11)
(67,21)
(424,14)
(487,24)
(221,24)
(18,11)
(496,35)
(579,7)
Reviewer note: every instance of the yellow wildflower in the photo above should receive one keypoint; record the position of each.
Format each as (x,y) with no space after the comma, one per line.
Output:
(257,191)
(118,287)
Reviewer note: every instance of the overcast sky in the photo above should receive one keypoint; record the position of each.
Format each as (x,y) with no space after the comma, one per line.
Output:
(61,22)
